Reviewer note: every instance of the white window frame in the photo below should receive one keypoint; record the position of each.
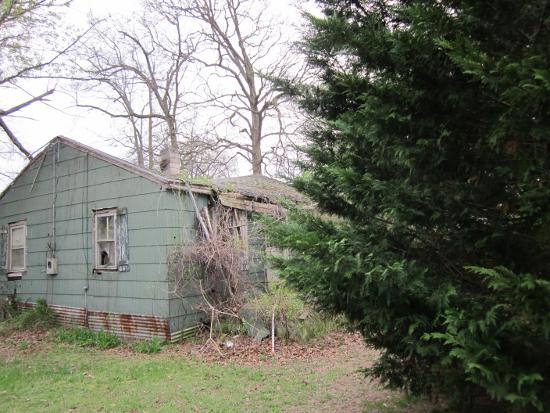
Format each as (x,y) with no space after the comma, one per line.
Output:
(113,212)
(17,271)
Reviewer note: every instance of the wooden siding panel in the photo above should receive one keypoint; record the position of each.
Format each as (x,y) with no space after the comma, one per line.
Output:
(155,236)
(127,289)
(66,272)
(30,286)
(149,202)
(187,305)
(70,300)
(185,313)
(139,272)
(45,173)
(97,288)
(65,242)
(138,221)
(110,173)
(68,153)
(122,189)
(136,203)
(96,163)
(150,237)
(138,255)
(129,305)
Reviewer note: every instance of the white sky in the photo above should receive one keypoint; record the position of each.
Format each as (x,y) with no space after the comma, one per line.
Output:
(36,125)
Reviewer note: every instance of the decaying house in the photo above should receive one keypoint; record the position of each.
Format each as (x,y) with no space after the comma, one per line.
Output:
(90,234)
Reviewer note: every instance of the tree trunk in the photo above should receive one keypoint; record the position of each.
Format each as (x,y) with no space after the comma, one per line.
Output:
(256,138)
(139,148)
(172,133)
(150,134)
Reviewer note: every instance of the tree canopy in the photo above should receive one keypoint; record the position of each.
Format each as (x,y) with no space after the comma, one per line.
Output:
(430,157)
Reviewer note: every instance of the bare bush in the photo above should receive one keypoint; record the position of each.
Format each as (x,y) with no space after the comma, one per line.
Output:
(214,264)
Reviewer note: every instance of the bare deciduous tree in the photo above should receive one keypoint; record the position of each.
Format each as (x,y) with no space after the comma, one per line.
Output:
(245,52)
(140,69)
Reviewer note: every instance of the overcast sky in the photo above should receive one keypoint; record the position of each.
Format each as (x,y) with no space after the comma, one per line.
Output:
(39,123)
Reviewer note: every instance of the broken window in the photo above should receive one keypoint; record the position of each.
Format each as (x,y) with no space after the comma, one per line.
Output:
(239,231)
(110,240)
(17,246)
(239,227)
(105,243)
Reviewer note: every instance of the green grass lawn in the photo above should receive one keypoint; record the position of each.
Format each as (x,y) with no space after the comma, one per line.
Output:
(60,378)
(88,380)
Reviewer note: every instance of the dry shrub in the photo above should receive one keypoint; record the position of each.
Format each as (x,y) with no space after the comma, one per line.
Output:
(214,264)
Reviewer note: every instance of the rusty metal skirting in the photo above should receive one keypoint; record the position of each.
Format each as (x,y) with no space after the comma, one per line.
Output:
(127,326)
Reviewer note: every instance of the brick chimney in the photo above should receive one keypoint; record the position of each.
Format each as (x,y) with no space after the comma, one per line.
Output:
(170,163)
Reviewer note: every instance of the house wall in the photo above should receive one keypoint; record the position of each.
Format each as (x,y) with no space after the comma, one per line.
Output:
(183,306)
(157,221)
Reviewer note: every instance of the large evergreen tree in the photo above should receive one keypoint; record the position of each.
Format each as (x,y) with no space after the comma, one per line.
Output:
(430,159)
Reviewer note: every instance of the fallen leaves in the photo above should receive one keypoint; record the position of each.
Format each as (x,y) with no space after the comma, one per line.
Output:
(242,351)
(246,351)
(22,342)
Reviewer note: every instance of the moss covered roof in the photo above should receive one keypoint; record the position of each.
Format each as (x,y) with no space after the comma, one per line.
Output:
(260,188)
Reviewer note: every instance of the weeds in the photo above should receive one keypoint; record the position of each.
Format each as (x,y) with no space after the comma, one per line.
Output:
(88,338)
(288,306)
(313,327)
(23,345)
(8,308)
(295,319)
(152,346)
(40,318)
(6,328)
(231,327)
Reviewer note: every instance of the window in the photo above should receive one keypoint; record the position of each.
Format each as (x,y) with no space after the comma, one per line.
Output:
(110,240)
(105,243)
(239,227)
(239,230)
(17,238)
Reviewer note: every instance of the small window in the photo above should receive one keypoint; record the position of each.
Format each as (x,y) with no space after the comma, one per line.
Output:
(105,242)
(238,227)
(17,247)
(239,230)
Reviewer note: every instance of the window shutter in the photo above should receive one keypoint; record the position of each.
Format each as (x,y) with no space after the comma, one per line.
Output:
(3,249)
(122,240)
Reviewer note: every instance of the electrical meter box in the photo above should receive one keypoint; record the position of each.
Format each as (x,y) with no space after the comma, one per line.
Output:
(51,266)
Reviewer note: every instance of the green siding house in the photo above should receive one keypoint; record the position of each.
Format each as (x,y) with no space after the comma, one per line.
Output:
(91,235)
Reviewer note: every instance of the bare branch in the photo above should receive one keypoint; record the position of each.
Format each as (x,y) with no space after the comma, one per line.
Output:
(25,104)
(14,139)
